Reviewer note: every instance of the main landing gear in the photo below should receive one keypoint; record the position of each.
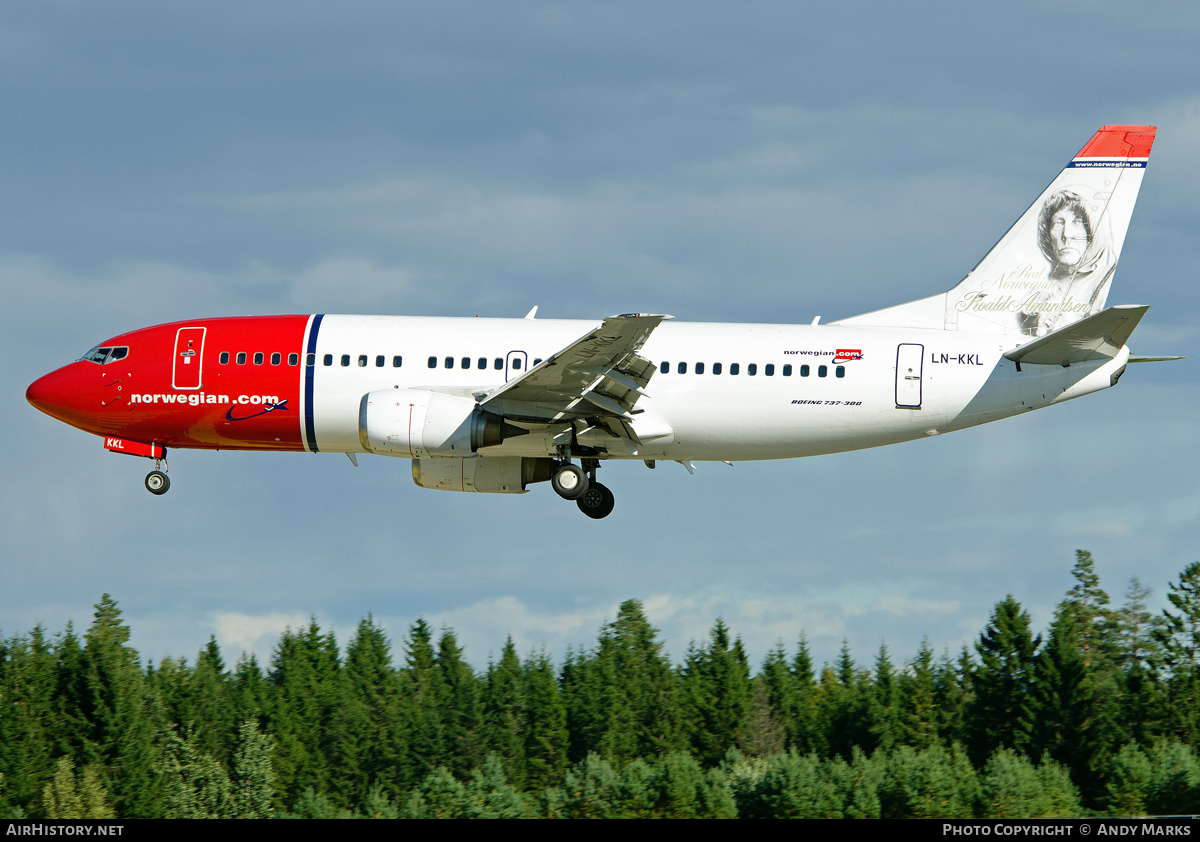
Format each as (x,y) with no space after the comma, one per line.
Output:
(572,482)
(157,481)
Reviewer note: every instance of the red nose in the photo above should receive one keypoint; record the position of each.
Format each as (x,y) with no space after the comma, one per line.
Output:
(61,394)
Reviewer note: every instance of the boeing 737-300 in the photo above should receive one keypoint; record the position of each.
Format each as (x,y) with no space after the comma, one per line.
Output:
(494,405)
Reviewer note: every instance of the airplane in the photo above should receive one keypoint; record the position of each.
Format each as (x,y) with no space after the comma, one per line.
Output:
(495,405)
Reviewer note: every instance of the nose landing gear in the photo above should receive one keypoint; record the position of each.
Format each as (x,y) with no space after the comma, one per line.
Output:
(157,482)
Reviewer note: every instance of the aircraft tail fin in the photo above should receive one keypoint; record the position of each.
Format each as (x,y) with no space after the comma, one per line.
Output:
(1055,265)
(1097,337)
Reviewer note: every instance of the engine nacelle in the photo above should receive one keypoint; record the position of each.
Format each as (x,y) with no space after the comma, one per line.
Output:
(417,423)
(491,474)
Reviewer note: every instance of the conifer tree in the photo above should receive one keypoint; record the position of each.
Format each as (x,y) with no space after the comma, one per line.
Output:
(843,705)
(764,732)
(197,786)
(490,795)
(421,683)
(919,717)
(955,696)
(250,694)
(1012,787)
(1097,624)
(1180,640)
(807,733)
(118,736)
(305,680)
(1075,707)
(883,708)
(71,796)
(29,727)
(546,724)
(253,773)
(1001,712)
(581,692)
(503,705)
(209,706)
(459,705)
(622,699)
(780,686)
(368,720)
(1139,658)
(716,683)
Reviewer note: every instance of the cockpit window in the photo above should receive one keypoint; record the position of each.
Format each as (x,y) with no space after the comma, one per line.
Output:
(103,355)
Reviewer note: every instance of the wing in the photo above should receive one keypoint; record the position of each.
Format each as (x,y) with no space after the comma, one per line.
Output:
(598,378)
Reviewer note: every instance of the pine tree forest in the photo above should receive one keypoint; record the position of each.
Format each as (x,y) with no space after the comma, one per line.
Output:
(1096,715)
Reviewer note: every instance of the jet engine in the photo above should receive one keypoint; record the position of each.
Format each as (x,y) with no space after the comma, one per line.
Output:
(417,423)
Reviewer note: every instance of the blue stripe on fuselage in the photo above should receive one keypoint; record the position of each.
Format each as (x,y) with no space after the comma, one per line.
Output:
(310,426)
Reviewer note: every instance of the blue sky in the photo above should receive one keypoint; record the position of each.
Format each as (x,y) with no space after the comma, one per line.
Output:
(751,162)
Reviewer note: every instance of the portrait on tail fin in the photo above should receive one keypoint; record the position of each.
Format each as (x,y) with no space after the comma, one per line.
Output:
(1077,246)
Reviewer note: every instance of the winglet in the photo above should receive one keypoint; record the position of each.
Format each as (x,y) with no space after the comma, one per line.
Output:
(532,314)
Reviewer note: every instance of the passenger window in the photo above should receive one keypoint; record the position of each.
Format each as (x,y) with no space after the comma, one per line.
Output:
(482,364)
(328,359)
(804,370)
(396,361)
(310,360)
(276,358)
(840,371)
(224,358)
(683,368)
(345,360)
(664,367)
(449,362)
(241,358)
(466,362)
(699,368)
(379,361)
(498,364)
(433,362)
(822,370)
(537,362)
(516,364)
(716,368)
(293,359)
(362,360)
(734,368)
(752,369)
(769,369)
(258,358)
(787,370)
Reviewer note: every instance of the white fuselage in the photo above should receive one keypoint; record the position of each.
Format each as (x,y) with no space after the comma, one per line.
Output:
(814,388)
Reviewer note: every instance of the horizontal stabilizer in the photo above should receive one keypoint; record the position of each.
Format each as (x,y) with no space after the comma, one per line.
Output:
(1097,337)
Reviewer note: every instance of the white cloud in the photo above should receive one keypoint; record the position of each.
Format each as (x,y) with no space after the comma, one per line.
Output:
(238,632)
